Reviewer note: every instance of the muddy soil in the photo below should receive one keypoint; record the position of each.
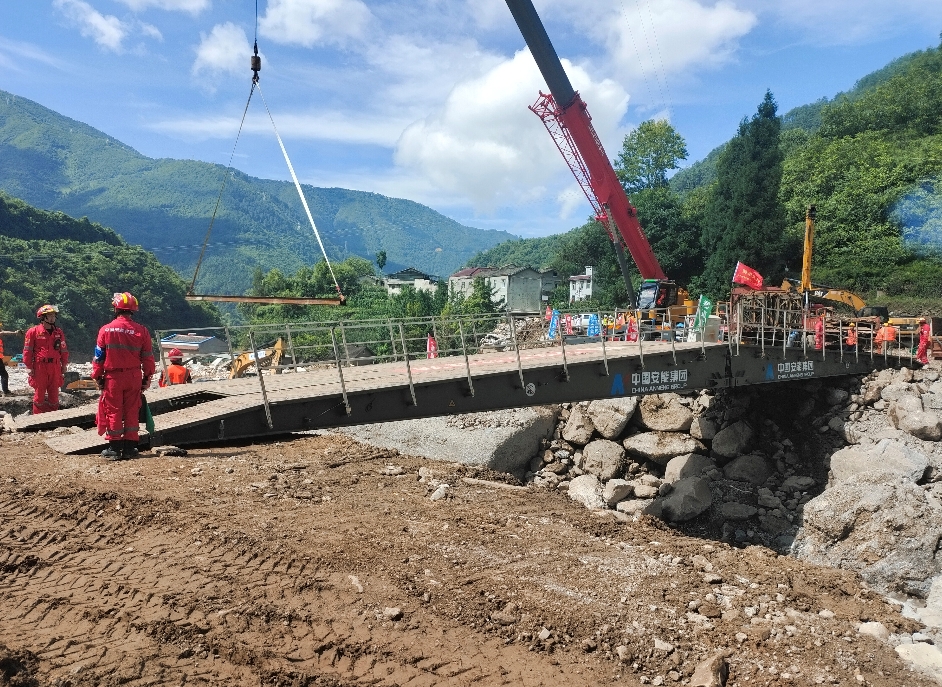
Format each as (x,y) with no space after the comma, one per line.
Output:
(320,561)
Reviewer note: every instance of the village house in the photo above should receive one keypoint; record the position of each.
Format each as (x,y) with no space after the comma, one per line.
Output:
(580,286)
(519,289)
(410,276)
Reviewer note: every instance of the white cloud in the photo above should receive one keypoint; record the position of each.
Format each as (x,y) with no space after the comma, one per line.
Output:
(191,6)
(314,22)
(845,22)
(225,49)
(10,49)
(653,40)
(151,31)
(486,145)
(106,30)
(381,130)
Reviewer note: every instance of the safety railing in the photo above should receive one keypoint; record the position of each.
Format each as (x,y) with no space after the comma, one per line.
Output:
(295,348)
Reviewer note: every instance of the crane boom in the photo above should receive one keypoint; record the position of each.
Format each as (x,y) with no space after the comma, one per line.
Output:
(567,119)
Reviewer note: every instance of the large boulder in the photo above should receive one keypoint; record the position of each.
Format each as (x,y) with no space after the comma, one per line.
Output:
(610,416)
(660,447)
(587,490)
(688,498)
(737,511)
(664,413)
(579,427)
(897,390)
(703,428)
(733,440)
(753,468)
(616,490)
(603,458)
(885,528)
(687,465)
(887,457)
(907,414)
(502,440)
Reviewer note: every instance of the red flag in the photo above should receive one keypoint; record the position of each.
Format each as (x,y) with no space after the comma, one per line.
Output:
(747,276)
(549,313)
(431,347)
(567,323)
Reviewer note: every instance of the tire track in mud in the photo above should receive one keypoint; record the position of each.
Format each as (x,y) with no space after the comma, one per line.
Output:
(104,598)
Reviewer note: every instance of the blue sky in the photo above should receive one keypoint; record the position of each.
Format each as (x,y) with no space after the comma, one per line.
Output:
(426,99)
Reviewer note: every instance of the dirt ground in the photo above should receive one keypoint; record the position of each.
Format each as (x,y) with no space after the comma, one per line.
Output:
(319,561)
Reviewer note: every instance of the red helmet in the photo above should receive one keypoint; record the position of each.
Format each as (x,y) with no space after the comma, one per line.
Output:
(175,353)
(46,309)
(124,301)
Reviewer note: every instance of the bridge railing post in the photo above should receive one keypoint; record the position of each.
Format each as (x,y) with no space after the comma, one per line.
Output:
(602,339)
(405,352)
(640,337)
(467,363)
(392,341)
(513,338)
(346,347)
(229,346)
(343,386)
(562,347)
(294,359)
(261,380)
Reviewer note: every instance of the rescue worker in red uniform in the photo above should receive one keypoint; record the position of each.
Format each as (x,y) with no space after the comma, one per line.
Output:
(176,372)
(819,334)
(123,366)
(925,336)
(46,356)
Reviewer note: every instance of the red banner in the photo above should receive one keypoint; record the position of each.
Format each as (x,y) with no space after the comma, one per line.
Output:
(567,323)
(549,313)
(431,347)
(747,276)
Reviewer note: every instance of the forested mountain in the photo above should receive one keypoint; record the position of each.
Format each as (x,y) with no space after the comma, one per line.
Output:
(48,257)
(870,160)
(56,163)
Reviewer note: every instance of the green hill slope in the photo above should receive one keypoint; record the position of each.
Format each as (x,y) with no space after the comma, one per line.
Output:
(56,163)
(47,257)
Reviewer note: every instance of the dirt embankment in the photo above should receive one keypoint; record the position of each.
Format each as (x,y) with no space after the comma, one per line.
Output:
(322,561)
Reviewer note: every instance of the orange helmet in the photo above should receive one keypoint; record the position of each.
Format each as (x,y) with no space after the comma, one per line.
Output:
(175,354)
(124,301)
(46,309)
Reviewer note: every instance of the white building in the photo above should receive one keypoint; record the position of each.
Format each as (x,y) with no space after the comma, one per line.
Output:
(580,286)
(520,289)
(410,276)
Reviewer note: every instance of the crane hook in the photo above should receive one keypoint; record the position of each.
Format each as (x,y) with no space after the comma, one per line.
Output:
(256,64)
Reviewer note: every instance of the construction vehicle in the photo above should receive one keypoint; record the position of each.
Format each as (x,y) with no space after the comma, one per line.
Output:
(262,358)
(566,118)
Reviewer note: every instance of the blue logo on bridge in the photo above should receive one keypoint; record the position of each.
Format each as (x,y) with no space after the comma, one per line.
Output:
(618,386)
(770,372)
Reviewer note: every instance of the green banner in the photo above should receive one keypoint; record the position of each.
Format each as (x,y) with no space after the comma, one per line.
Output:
(704,309)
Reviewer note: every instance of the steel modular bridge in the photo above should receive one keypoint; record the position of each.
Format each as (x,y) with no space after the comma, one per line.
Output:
(352,373)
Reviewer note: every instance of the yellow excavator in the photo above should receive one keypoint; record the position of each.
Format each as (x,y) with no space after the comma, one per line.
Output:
(826,293)
(266,357)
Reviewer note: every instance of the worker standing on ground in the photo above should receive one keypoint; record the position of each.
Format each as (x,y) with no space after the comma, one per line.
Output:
(122,367)
(176,372)
(925,335)
(851,340)
(46,355)
(4,377)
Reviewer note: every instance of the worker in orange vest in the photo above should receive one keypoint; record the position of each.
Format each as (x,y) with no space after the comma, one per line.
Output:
(850,341)
(176,372)
(887,335)
(46,356)
(925,335)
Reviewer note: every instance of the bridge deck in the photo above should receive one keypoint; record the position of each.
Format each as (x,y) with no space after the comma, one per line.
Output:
(314,399)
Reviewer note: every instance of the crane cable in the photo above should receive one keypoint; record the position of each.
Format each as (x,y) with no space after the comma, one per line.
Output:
(297,185)
(225,177)
(256,66)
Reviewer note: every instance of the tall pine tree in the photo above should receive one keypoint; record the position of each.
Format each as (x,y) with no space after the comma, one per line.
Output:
(744,220)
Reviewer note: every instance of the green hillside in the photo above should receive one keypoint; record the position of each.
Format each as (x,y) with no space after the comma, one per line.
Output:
(56,163)
(870,159)
(48,257)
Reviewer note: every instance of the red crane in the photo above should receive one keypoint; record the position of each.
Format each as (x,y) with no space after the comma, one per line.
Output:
(567,119)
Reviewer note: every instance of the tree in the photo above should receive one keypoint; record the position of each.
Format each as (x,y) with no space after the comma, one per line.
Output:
(647,154)
(381,260)
(674,236)
(744,219)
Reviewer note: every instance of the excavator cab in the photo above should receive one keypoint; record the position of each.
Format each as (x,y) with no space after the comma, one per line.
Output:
(665,296)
